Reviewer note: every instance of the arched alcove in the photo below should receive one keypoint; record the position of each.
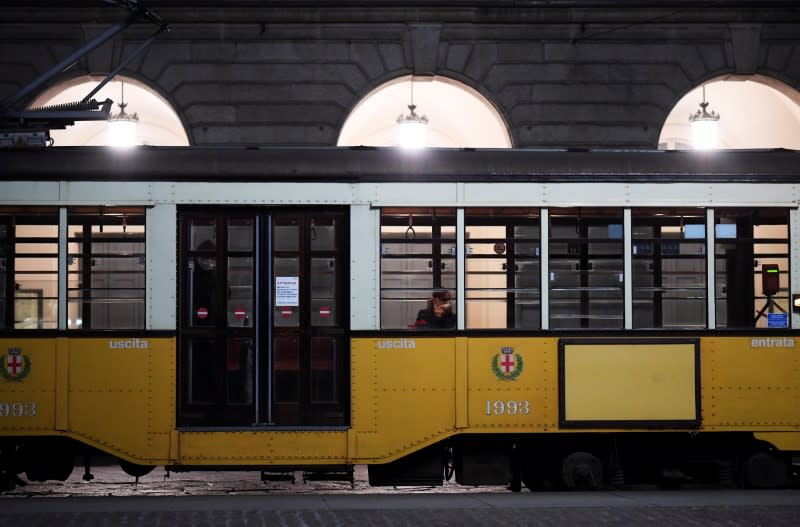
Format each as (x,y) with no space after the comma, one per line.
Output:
(458,116)
(755,112)
(158,123)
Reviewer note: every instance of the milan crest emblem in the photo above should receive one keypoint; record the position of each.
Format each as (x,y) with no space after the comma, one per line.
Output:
(507,365)
(15,365)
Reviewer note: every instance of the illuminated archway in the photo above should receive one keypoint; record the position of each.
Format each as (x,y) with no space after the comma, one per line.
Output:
(458,116)
(755,112)
(158,123)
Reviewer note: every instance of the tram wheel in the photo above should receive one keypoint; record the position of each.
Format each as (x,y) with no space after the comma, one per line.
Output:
(766,470)
(582,471)
(132,469)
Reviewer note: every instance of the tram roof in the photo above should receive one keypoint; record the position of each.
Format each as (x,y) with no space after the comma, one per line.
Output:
(368,164)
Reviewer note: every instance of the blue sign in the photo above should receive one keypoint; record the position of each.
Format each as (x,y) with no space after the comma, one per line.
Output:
(777,320)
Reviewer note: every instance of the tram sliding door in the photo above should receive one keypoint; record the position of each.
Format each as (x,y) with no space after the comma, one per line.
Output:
(263,318)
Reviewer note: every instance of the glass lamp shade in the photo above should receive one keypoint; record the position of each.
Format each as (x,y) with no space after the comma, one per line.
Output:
(412,134)
(122,133)
(705,134)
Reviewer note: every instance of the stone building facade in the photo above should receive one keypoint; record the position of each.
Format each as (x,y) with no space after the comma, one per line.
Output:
(560,73)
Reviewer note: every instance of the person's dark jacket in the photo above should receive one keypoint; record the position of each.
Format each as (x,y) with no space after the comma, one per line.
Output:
(427,320)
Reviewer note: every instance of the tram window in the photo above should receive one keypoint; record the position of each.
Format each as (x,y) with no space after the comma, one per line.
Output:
(30,269)
(502,275)
(418,258)
(106,268)
(669,268)
(586,269)
(755,237)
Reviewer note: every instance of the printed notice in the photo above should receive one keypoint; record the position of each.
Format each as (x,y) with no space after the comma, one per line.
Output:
(287,291)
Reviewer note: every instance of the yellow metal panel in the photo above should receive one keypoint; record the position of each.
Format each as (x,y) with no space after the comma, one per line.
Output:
(462,380)
(27,392)
(62,383)
(751,382)
(263,447)
(629,382)
(409,395)
(121,395)
(502,396)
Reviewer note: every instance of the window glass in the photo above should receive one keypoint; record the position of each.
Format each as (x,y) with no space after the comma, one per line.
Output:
(502,275)
(240,291)
(751,244)
(35,279)
(418,268)
(586,268)
(669,268)
(106,268)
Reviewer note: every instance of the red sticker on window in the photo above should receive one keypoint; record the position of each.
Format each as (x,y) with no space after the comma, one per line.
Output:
(324,312)
(286,312)
(239,313)
(202,312)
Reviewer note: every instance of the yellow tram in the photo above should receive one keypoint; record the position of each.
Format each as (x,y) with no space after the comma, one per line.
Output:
(615,316)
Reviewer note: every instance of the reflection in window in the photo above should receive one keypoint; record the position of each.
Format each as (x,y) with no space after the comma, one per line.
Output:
(669,268)
(106,268)
(418,258)
(502,259)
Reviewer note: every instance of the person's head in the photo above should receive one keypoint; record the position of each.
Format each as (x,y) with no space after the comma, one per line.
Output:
(440,303)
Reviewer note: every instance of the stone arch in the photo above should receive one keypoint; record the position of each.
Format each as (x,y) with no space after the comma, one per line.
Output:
(159,124)
(458,115)
(755,111)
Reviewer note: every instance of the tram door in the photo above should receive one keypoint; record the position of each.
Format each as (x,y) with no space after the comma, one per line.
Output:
(263,318)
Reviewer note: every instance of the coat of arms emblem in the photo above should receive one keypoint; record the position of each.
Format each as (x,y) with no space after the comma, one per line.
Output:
(15,365)
(507,365)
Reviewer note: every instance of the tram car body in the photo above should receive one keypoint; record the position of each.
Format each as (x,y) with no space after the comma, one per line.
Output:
(618,316)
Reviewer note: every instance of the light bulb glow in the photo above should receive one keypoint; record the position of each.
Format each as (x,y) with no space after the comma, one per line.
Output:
(122,133)
(705,134)
(412,135)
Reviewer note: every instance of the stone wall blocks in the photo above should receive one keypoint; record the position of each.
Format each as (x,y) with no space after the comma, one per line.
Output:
(279,114)
(502,75)
(240,93)
(210,113)
(456,56)
(292,52)
(481,60)
(780,55)
(633,114)
(347,74)
(369,58)
(162,55)
(266,135)
(393,56)
(218,51)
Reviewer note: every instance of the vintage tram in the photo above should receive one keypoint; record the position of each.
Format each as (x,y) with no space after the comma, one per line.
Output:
(616,316)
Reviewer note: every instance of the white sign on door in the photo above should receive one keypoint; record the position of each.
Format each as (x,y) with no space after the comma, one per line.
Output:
(287,291)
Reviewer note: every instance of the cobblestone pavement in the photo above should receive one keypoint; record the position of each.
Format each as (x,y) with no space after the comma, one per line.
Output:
(240,498)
